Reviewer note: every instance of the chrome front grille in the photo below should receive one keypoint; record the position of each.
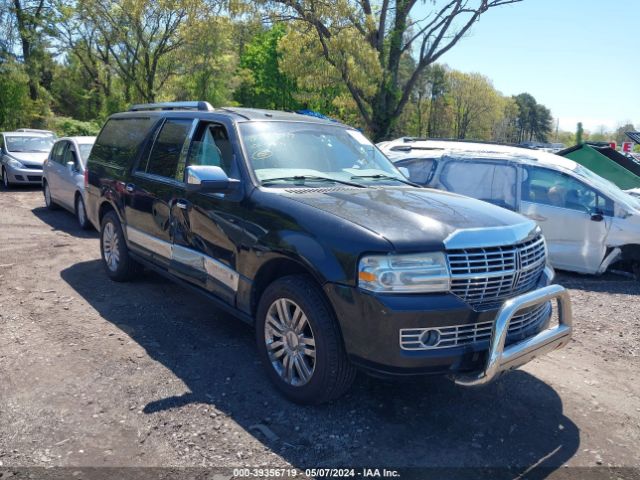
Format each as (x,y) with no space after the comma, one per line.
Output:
(484,277)
(461,335)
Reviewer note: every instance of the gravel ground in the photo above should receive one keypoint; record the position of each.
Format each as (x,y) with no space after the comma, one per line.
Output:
(95,373)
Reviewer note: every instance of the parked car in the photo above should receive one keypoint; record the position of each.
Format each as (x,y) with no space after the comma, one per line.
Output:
(35,130)
(63,178)
(588,222)
(302,228)
(22,155)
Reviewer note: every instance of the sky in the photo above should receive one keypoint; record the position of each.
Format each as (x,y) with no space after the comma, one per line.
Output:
(580,58)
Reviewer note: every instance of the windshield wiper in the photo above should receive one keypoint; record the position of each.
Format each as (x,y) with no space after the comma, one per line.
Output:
(386,177)
(312,178)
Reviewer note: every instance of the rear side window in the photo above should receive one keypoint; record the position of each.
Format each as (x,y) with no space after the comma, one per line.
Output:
(167,148)
(120,140)
(488,181)
(420,169)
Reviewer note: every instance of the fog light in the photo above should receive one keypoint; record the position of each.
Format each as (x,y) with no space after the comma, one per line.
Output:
(430,338)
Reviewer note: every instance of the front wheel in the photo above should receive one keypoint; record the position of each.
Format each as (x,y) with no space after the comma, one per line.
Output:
(299,342)
(115,254)
(5,180)
(48,199)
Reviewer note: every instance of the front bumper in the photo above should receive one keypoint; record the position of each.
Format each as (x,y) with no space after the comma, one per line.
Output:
(26,176)
(371,326)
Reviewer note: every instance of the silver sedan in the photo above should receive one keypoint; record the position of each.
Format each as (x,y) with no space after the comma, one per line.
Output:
(21,157)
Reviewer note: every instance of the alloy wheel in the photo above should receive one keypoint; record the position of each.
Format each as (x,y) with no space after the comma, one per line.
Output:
(111,246)
(290,342)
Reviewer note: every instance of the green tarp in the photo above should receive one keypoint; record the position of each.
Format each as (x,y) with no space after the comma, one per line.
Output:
(607,163)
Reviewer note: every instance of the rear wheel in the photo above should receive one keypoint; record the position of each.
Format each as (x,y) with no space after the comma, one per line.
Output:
(5,180)
(115,254)
(299,342)
(81,213)
(48,200)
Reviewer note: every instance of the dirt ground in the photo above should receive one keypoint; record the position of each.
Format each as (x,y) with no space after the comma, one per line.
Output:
(95,373)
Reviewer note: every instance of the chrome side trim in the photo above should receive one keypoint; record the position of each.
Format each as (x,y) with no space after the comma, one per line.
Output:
(221,272)
(492,236)
(151,243)
(500,358)
(186,256)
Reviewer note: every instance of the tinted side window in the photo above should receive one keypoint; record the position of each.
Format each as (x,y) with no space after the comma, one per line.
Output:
(420,169)
(211,146)
(165,153)
(70,156)
(556,189)
(120,140)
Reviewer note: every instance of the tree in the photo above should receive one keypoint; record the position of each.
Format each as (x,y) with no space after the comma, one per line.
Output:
(362,45)
(264,85)
(141,36)
(476,104)
(30,17)
(620,134)
(579,134)
(534,120)
(14,95)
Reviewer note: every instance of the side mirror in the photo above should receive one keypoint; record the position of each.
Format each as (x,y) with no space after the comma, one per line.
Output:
(209,179)
(71,166)
(597,215)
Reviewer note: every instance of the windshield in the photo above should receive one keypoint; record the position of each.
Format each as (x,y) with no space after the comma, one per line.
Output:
(28,144)
(288,151)
(85,150)
(608,188)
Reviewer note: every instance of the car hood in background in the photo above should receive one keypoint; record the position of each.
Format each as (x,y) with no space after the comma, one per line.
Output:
(30,158)
(414,218)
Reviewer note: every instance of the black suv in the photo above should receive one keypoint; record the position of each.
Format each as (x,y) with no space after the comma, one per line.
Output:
(304,228)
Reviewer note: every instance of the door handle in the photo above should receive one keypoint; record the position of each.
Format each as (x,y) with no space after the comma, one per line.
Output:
(182,204)
(537,218)
(130,187)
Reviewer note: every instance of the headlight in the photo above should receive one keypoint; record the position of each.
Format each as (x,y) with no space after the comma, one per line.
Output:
(15,163)
(418,272)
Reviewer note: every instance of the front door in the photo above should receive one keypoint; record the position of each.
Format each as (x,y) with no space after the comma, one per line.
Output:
(209,228)
(154,190)
(574,218)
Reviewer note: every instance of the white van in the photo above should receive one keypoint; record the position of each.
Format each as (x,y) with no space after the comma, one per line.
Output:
(588,222)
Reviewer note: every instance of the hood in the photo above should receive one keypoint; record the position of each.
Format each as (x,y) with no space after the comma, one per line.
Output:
(416,218)
(30,158)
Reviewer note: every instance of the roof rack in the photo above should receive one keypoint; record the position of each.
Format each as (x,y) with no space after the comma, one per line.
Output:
(201,106)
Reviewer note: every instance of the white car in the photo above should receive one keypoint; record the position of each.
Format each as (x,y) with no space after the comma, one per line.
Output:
(63,177)
(589,223)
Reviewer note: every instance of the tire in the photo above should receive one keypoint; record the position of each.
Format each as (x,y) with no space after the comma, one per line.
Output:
(635,268)
(5,180)
(81,213)
(118,264)
(329,373)
(48,199)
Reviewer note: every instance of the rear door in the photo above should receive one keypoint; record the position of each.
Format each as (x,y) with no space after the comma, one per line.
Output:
(154,189)
(67,177)
(574,218)
(209,227)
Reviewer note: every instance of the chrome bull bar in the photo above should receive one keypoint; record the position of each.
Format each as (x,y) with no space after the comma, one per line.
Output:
(499,358)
